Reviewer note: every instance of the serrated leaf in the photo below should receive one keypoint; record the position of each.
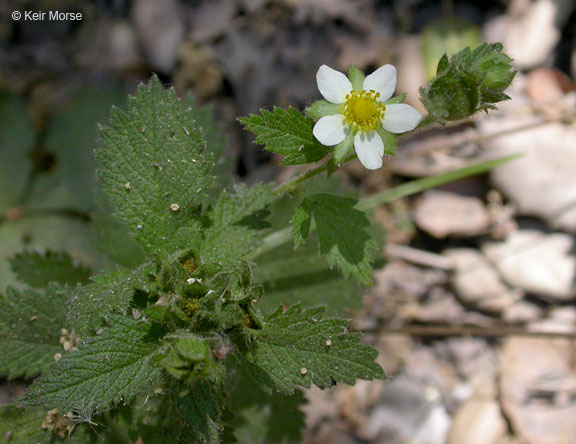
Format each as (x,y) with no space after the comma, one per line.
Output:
(156,170)
(236,224)
(199,412)
(298,347)
(341,230)
(30,324)
(110,292)
(38,270)
(288,133)
(468,82)
(106,369)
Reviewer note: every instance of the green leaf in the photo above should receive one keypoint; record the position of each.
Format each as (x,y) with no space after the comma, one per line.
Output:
(38,270)
(111,292)
(341,230)
(468,82)
(71,139)
(236,224)
(260,417)
(114,240)
(30,426)
(199,413)
(16,140)
(290,276)
(156,170)
(105,370)
(298,347)
(30,324)
(20,426)
(288,133)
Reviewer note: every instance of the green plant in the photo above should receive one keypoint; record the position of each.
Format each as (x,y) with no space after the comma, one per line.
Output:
(207,334)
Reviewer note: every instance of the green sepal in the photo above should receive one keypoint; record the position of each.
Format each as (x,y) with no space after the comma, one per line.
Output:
(322,108)
(331,167)
(356,77)
(397,99)
(343,148)
(389,140)
(468,82)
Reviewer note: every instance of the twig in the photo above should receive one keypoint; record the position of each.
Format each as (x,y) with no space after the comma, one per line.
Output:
(463,330)
(419,257)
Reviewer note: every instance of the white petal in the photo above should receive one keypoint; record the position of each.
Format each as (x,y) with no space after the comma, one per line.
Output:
(331,130)
(370,149)
(333,85)
(383,81)
(400,118)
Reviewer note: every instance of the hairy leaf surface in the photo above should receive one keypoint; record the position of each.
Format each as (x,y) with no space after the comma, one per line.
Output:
(30,324)
(110,292)
(299,347)
(468,82)
(106,369)
(199,412)
(156,169)
(236,221)
(341,230)
(288,133)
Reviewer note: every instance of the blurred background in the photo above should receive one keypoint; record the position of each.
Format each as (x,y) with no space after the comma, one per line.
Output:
(474,312)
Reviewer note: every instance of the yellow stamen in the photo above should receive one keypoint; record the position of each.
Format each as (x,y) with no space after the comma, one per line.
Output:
(363,111)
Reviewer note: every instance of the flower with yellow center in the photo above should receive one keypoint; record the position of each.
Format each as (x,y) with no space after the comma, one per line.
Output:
(361,113)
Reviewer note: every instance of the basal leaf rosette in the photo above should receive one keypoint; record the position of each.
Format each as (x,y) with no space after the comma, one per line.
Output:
(360,112)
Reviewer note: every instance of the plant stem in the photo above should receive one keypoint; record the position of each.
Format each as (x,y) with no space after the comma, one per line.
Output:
(466,330)
(415,186)
(280,237)
(289,185)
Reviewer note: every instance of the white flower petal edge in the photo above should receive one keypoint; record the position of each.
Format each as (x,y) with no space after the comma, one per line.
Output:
(333,85)
(400,118)
(331,130)
(383,81)
(369,148)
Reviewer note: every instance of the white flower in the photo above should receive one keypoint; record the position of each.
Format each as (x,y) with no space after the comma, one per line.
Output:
(362,115)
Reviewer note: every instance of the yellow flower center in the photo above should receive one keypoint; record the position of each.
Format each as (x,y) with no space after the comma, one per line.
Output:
(363,111)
